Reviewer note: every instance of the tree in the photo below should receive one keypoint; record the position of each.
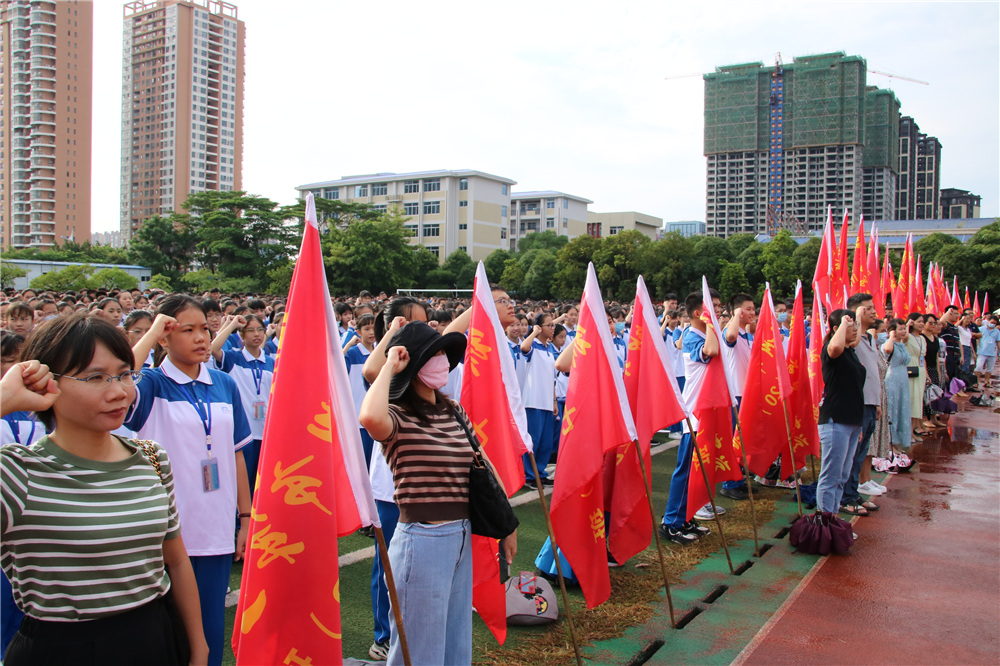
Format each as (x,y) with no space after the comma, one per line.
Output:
(332,213)
(538,279)
(75,278)
(571,271)
(662,264)
(543,240)
(805,257)
(280,279)
(374,255)
(463,271)
(752,261)
(160,281)
(494,264)
(74,252)
(513,276)
(617,262)
(779,267)
(928,247)
(10,272)
(740,242)
(165,245)
(709,252)
(113,278)
(732,280)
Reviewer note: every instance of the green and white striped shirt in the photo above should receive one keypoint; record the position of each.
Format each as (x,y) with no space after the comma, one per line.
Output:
(84,539)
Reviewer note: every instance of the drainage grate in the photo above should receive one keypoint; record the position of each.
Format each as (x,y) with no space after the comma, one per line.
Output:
(782,533)
(647,653)
(763,549)
(715,594)
(742,569)
(687,617)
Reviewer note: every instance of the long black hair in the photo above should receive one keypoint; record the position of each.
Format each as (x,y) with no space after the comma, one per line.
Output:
(401,306)
(833,322)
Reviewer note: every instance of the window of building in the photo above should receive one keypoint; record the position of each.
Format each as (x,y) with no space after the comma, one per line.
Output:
(565,203)
(463,204)
(331,193)
(550,203)
(411,208)
(380,208)
(436,251)
(411,186)
(432,185)
(463,248)
(463,183)
(432,230)
(432,207)
(503,211)
(566,223)
(550,223)
(594,229)
(503,234)
(463,227)
(613,231)
(380,189)
(360,190)
(503,189)
(411,229)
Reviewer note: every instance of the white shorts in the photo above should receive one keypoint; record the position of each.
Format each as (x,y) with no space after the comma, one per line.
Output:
(985,364)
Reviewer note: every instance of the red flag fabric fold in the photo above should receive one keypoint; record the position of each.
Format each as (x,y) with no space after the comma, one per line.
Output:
(803,410)
(859,269)
(816,335)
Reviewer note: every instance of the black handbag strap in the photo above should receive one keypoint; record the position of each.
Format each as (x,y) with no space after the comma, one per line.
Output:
(477,452)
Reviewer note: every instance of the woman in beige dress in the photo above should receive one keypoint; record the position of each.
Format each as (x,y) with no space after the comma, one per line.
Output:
(916,346)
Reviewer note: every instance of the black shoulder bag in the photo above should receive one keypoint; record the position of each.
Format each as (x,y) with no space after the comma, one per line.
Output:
(489,509)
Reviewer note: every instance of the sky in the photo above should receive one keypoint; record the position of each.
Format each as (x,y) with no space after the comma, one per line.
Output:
(567,96)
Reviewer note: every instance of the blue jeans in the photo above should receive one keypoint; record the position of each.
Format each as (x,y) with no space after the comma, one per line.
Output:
(541,427)
(211,573)
(251,457)
(676,511)
(851,495)
(10,614)
(388,514)
(967,357)
(839,443)
(739,483)
(432,565)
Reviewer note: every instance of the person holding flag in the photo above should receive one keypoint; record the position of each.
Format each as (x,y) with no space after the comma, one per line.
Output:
(429,456)
(737,337)
(699,350)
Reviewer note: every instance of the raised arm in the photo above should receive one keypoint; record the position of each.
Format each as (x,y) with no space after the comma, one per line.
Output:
(526,343)
(375,361)
(229,324)
(374,416)
(162,325)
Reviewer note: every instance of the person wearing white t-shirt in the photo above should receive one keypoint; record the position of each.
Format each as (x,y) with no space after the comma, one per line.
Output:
(539,397)
(737,338)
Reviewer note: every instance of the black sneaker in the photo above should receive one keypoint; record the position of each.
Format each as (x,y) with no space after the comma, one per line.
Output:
(677,536)
(735,493)
(530,485)
(697,529)
(548,481)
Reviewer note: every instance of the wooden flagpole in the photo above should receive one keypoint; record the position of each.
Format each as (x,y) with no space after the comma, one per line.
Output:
(711,495)
(656,534)
(746,469)
(555,554)
(390,583)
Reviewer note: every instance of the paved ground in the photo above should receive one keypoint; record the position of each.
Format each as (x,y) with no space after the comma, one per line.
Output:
(921,585)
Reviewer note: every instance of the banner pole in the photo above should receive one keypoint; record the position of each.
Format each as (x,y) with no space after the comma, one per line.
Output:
(390,583)
(555,555)
(791,452)
(711,495)
(746,469)
(656,533)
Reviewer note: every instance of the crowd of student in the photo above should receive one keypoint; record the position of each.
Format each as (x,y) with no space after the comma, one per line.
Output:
(134,419)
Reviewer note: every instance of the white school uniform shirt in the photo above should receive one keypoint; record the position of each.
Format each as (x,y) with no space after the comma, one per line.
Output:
(355,359)
(738,363)
(453,388)
(520,364)
(383,487)
(695,365)
(539,385)
(253,378)
(678,354)
(20,428)
(162,411)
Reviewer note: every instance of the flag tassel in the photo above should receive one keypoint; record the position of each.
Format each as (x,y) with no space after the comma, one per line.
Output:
(656,534)
(791,452)
(390,583)
(555,551)
(711,496)
(746,467)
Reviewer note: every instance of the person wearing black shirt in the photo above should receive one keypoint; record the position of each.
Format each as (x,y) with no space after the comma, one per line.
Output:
(842,413)
(953,348)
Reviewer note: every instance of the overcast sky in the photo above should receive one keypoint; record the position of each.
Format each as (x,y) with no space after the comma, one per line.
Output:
(565,96)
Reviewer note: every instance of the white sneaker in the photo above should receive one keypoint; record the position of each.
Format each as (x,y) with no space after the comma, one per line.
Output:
(705,512)
(868,489)
(876,484)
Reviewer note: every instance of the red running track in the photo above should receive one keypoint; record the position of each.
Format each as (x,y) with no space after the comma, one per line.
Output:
(922,583)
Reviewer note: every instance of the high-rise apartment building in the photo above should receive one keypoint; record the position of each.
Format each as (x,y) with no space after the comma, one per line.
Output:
(182,104)
(784,143)
(446,210)
(45,78)
(918,191)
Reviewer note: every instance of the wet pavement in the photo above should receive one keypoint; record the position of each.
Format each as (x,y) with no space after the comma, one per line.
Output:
(920,586)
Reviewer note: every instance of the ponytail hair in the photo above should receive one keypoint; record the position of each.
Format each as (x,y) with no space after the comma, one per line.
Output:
(836,317)
(401,306)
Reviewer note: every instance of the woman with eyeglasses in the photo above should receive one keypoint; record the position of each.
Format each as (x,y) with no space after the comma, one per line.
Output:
(89,522)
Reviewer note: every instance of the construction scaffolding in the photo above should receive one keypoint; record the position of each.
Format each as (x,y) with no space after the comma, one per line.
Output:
(881,136)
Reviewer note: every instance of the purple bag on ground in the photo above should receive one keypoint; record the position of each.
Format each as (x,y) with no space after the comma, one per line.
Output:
(944,405)
(821,533)
(956,386)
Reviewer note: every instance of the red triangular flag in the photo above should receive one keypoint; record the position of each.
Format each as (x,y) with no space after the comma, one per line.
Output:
(823,276)
(716,449)
(966,305)
(976,312)
(874,278)
(841,280)
(919,299)
(596,420)
(803,410)
(859,268)
(816,335)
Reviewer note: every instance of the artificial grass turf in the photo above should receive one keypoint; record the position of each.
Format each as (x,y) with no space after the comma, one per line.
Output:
(635,586)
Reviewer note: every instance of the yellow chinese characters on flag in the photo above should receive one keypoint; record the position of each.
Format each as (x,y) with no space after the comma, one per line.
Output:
(289,604)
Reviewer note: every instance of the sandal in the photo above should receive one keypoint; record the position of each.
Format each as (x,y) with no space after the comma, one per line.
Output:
(869,505)
(921,433)
(854,510)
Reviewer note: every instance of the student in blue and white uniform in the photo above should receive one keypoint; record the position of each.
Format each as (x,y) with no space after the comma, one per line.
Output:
(559,343)
(619,333)
(253,371)
(356,352)
(514,343)
(539,396)
(196,414)
(274,330)
(137,324)
(737,337)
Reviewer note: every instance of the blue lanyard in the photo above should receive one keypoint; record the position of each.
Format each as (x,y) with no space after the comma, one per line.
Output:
(257,370)
(205,414)
(14,428)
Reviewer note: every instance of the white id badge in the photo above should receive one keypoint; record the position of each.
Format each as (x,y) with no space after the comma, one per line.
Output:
(259,409)
(209,474)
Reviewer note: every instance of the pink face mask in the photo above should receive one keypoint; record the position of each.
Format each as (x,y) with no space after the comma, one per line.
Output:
(435,372)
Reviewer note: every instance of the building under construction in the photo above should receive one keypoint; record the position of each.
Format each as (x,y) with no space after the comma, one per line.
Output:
(785,142)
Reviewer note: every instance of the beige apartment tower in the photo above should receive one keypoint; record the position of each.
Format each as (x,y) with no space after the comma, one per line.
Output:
(45,78)
(182,105)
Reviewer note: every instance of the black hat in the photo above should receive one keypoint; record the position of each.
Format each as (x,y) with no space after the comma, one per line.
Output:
(422,342)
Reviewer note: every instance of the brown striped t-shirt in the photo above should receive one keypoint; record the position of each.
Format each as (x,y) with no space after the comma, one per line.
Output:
(430,464)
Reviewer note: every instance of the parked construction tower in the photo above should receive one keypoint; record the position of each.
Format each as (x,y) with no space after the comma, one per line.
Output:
(785,142)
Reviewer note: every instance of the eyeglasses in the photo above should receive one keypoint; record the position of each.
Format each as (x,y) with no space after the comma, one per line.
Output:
(138,331)
(253,330)
(103,379)
(503,301)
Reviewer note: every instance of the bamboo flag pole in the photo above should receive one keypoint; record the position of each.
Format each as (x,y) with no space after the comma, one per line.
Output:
(656,533)
(390,583)
(753,509)
(555,554)
(711,495)
(791,452)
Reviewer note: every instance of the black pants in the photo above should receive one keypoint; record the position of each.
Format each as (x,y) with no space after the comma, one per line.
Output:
(142,636)
(951,366)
